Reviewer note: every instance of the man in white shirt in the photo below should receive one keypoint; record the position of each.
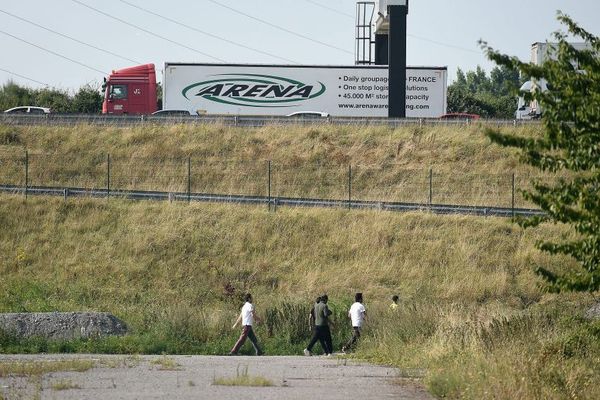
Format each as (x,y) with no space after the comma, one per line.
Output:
(246,317)
(357,314)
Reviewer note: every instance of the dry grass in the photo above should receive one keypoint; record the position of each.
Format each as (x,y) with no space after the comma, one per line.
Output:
(387,164)
(64,384)
(38,368)
(243,379)
(473,313)
(166,364)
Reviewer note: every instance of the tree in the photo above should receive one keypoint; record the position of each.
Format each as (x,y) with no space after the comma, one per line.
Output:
(87,100)
(57,100)
(490,97)
(569,148)
(12,95)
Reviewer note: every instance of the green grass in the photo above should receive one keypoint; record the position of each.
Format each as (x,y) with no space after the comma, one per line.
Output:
(473,315)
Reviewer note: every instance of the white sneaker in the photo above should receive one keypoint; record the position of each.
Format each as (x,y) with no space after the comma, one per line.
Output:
(307,353)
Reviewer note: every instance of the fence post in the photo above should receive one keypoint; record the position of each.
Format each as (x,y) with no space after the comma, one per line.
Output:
(430,186)
(269,185)
(26,172)
(513,195)
(189,179)
(108,176)
(349,186)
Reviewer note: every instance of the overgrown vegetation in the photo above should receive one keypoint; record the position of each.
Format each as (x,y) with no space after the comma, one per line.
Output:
(387,164)
(473,314)
(176,274)
(569,144)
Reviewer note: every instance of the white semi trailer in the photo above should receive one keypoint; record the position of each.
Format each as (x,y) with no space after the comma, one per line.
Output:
(345,91)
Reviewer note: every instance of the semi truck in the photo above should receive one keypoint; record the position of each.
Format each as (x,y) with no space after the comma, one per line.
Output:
(273,90)
(540,53)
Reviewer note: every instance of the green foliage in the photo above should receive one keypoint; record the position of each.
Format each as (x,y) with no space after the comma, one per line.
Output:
(86,100)
(568,148)
(489,96)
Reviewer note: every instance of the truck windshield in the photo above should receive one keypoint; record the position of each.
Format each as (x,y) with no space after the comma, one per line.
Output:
(118,92)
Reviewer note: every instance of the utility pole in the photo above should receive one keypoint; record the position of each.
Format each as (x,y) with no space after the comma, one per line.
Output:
(398,12)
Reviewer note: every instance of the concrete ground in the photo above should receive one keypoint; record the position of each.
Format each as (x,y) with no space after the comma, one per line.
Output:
(193,377)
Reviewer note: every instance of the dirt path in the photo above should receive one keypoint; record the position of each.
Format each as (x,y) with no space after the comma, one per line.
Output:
(193,377)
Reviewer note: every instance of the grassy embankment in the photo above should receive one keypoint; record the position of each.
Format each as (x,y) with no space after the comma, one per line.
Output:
(387,164)
(472,314)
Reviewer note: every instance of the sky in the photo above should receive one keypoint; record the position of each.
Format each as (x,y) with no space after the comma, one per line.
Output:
(66,44)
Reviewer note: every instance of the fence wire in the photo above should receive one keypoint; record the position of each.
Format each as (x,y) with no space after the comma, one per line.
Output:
(389,183)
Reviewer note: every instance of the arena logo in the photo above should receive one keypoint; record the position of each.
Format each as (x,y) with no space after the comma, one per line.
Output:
(253,90)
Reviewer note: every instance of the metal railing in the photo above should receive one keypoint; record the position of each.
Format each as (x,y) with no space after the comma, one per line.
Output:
(243,121)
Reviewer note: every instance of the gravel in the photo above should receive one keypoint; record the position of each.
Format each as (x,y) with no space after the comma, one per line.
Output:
(192,377)
(62,325)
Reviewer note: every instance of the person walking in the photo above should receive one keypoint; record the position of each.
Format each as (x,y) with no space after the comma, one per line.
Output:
(311,316)
(247,318)
(321,332)
(357,314)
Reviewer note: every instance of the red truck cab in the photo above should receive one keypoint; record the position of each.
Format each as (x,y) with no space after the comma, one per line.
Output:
(130,91)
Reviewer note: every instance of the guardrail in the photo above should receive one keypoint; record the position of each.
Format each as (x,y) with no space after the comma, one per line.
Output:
(246,121)
(271,202)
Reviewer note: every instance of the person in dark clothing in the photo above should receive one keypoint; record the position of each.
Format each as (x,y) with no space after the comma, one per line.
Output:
(311,316)
(321,332)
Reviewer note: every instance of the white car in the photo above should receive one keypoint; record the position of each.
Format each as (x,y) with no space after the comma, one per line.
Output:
(308,114)
(172,113)
(28,110)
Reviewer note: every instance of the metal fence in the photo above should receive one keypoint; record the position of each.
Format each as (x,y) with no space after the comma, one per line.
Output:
(243,121)
(387,183)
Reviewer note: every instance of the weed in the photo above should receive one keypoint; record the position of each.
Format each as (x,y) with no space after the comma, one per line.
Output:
(242,379)
(38,368)
(64,384)
(166,364)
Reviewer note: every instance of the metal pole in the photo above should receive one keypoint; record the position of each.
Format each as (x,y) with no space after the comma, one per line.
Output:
(189,181)
(513,195)
(430,186)
(26,172)
(108,176)
(349,186)
(269,183)
(397,60)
